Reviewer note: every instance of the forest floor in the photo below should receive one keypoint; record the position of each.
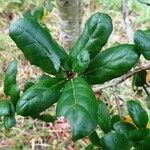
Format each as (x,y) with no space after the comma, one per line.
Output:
(34,134)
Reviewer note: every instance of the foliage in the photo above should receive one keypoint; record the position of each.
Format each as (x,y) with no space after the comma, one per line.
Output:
(69,79)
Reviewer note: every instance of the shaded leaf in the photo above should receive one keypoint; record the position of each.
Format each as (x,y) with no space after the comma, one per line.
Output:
(124,128)
(9,121)
(138,135)
(104,120)
(94,138)
(137,113)
(4,108)
(115,141)
(78,104)
(144,144)
(148,101)
(10,77)
(46,118)
(115,119)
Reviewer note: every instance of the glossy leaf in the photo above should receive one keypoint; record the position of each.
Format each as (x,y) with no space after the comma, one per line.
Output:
(9,121)
(15,94)
(124,128)
(138,135)
(115,141)
(144,144)
(137,113)
(94,138)
(111,63)
(4,108)
(95,35)
(79,106)
(139,79)
(142,42)
(46,118)
(37,45)
(39,97)
(10,77)
(104,120)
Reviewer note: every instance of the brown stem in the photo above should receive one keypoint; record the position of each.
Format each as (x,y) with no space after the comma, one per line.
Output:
(119,80)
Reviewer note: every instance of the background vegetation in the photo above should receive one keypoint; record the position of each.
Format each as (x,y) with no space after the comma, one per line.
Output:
(33,134)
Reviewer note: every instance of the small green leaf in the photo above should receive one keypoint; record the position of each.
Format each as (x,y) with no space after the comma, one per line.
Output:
(38,12)
(142,42)
(139,78)
(4,108)
(28,84)
(124,128)
(78,104)
(95,35)
(15,94)
(94,138)
(9,121)
(138,135)
(115,119)
(144,144)
(104,119)
(115,141)
(137,113)
(40,96)
(111,63)
(46,118)
(10,77)
(38,45)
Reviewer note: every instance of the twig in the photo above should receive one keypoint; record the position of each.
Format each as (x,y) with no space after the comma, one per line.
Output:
(146,90)
(117,100)
(145,3)
(127,21)
(119,80)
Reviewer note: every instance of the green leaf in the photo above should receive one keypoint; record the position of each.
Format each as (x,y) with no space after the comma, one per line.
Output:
(104,120)
(46,118)
(28,84)
(38,12)
(138,135)
(38,45)
(148,101)
(95,35)
(4,108)
(142,42)
(78,104)
(144,144)
(115,141)
(115,119)
(10,77)
(124,128)
(94,138)
(40,96)
(111,63)
(137,113)
(139,78)
(9,121)
(15,94)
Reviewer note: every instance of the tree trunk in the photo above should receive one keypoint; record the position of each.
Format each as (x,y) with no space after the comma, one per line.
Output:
(70,19)
(127,21)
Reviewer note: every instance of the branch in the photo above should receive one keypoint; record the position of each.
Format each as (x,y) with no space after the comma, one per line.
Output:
(127,21)
(145,3)
(119,80)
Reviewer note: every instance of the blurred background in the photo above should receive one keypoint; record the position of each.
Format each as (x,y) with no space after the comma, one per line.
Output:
(127,16)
